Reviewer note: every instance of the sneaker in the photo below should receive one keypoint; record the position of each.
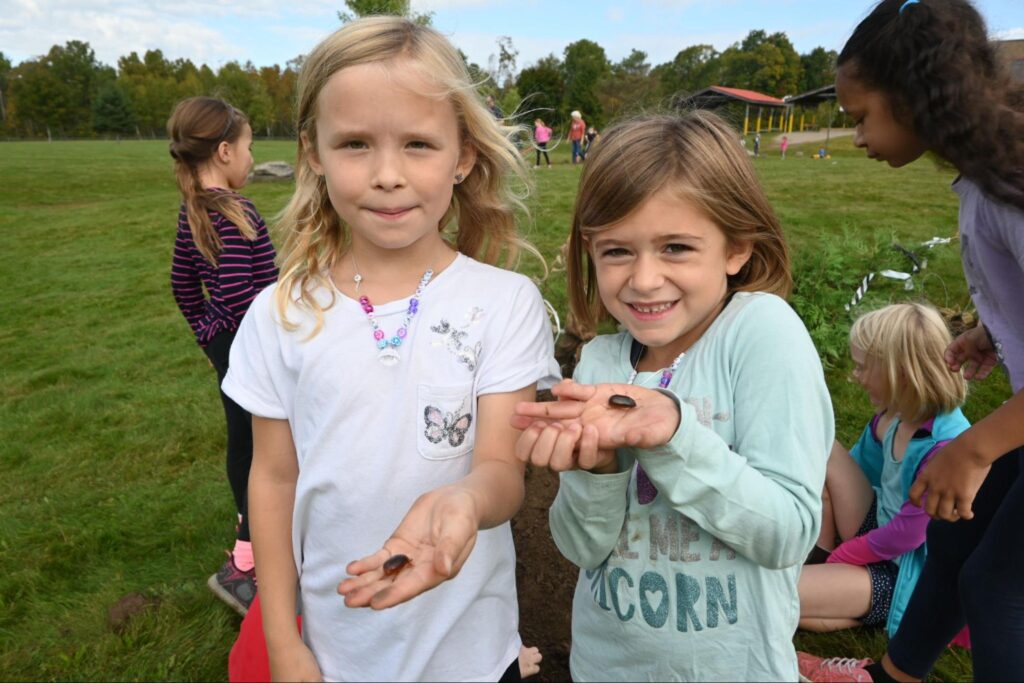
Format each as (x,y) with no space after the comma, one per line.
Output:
(833,669)
(234,586)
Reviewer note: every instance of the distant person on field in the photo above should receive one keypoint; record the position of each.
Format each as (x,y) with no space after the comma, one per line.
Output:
(542,136)
(577,131)
(784,145)
(867,580)
(592,136)
(222,246)
(495,110)
(757,144)
(922,76)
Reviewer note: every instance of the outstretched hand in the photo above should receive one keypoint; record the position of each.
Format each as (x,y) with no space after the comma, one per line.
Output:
(582,429)
(972,351)
(436,535)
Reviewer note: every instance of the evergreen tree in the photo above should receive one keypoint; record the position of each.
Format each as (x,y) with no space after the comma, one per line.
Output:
(111,111)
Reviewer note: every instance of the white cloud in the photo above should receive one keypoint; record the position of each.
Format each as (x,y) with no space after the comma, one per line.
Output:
(435,5)
(199,30)
(616,14)
(1010,34)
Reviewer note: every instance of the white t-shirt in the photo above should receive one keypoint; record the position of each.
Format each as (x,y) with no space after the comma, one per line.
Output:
(370,439)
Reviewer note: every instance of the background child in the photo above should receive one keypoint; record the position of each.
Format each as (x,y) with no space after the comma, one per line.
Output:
(784,145)
(592,135)
(542,135)
(897,354)
(383,369)
(222,244)
(690,535)
(917,76)
(577,131)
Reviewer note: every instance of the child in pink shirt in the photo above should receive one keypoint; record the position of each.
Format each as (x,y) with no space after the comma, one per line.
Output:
(542,135)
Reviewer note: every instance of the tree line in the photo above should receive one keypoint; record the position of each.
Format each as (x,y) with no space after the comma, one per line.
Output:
(69,93)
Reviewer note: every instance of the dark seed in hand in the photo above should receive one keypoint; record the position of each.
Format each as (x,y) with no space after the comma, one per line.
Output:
(621,401)
(395,564)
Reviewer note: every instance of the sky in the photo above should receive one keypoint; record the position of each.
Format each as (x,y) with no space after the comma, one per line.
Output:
(268,32)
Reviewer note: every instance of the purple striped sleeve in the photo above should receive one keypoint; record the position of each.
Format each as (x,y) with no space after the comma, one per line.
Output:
(241,260)
(186,286)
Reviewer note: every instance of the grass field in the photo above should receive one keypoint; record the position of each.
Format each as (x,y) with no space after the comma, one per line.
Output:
(112,435)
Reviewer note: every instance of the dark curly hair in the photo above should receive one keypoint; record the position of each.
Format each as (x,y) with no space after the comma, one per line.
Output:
(933,59)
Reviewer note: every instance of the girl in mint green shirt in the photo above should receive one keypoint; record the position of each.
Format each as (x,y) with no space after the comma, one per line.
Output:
(692,444)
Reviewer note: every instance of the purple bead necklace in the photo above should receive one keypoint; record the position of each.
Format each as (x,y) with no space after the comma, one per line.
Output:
(666,374)
(388,346)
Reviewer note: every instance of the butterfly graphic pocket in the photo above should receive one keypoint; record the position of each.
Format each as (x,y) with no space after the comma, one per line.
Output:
(445,428)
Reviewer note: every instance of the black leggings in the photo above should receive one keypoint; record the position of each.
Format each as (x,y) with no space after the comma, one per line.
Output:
(974,574)
(239,457)
(543,147)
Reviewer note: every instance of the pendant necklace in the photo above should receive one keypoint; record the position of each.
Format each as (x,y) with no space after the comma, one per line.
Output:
(388,346)
(646,491)
(666,373)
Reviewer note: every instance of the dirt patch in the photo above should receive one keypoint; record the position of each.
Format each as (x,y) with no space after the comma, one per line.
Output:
(121,613)
(546,580)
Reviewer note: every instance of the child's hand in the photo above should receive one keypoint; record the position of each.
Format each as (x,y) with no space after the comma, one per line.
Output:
(436,535)
(295,663)
(948,484)
(559,448)
(973,352)
(651,422)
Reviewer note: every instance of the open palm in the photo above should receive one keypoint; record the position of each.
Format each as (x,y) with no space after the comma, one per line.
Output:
(652,422)
(437,535)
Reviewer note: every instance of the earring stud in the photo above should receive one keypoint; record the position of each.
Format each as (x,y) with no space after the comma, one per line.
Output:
(459,178)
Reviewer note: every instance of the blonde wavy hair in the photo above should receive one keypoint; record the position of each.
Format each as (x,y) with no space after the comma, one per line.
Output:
(908,341)
(480,222)
(196,128)
(697,156)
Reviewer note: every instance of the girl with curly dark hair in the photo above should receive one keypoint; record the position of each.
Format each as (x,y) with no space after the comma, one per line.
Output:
(921,76)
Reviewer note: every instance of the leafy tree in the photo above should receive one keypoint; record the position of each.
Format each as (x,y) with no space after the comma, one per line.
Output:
(5,71)
(39,98)
(584,66)
(694,68)
(369,8)
(628,86)
(243,88)
(151,87)
(762,62)
(111,111)
(503,66)
(818,69)
(541,87)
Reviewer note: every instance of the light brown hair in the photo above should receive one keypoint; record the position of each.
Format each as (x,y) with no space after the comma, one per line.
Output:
(481,215)
(908,341)
(699,157)
(196,129)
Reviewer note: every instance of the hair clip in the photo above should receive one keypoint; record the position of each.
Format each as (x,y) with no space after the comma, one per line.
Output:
(908,2)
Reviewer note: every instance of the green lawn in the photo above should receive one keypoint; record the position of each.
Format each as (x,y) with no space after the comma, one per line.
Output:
(111,472)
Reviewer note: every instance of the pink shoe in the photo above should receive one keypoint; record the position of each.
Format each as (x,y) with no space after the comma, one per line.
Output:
(833,669)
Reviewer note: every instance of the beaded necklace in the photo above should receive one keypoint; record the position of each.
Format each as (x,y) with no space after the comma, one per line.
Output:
(666,373)
(388,346)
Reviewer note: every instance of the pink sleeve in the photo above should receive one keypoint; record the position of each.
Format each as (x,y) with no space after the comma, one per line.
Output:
(855,551)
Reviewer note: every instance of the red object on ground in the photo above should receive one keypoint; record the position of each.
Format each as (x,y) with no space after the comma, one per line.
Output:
(963,639)
(248,661)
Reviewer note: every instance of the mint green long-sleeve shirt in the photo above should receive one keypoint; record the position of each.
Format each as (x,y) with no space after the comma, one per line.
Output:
(689,556)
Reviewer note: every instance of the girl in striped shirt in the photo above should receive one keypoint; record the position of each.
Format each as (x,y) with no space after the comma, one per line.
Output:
(222,245)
